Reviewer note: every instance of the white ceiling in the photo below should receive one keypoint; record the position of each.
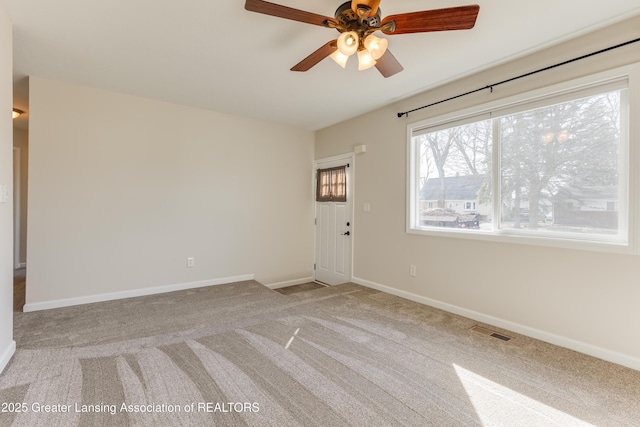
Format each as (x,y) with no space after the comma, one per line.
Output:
(213,54)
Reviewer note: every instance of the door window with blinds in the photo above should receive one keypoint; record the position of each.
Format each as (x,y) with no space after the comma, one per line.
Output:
(331,184)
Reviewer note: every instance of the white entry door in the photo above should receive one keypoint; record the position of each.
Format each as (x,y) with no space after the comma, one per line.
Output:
(334,231)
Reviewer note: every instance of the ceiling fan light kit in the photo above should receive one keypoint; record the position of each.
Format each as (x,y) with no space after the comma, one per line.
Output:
(365,60)
(339,58)
(369,49)
(376,45)
(348,43)
(357,20)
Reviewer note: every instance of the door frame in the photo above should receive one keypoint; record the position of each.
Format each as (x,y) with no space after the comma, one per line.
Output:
(17,160)
(350,159)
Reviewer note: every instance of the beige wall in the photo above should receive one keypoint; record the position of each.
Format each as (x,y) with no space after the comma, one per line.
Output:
(21,141)
(7,345)
(584,300)
(123,189)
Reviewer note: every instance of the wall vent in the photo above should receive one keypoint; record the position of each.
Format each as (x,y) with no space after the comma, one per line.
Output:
(490,333)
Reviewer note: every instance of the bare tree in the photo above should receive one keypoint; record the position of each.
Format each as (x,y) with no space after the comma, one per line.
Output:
(573,143)
(461,150)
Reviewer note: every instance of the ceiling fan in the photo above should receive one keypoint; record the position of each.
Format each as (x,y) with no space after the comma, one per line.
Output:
(357,20)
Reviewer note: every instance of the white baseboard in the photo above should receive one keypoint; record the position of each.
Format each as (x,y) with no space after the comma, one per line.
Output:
(7,354)
(289,283)
(46,305)
(579,346)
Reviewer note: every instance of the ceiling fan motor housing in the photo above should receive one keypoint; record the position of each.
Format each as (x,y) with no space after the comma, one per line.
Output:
(348,19)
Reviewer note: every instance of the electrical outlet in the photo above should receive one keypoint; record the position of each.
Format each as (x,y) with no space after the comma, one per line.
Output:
(191,262)
(412,270)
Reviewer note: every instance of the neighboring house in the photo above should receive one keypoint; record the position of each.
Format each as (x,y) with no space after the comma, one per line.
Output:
(595,207)
(461,194)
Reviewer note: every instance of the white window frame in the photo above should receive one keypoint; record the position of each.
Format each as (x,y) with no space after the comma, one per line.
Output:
(629,166)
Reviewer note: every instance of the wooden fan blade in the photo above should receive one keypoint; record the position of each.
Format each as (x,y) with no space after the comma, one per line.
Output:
(286,12)
(453,18)
(373,4)
(317,56)
(388,65)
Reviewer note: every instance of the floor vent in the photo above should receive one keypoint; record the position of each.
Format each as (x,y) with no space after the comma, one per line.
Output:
(489,332)
(500,336)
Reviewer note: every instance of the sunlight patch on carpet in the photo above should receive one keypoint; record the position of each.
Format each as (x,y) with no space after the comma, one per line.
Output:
(497,405)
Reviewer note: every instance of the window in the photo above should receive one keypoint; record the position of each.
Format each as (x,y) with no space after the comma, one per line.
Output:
(552,167)
(331,185)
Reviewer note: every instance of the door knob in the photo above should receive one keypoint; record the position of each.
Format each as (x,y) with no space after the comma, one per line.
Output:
(346,234)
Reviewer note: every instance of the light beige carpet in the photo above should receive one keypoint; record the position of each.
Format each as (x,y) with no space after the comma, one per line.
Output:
(241,354)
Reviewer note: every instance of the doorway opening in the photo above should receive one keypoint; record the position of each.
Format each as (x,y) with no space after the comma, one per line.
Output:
(20,186)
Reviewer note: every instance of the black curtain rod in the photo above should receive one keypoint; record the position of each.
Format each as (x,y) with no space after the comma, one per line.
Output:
(491,86)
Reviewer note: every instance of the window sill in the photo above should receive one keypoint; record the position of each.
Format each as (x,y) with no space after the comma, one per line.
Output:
(508,236)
